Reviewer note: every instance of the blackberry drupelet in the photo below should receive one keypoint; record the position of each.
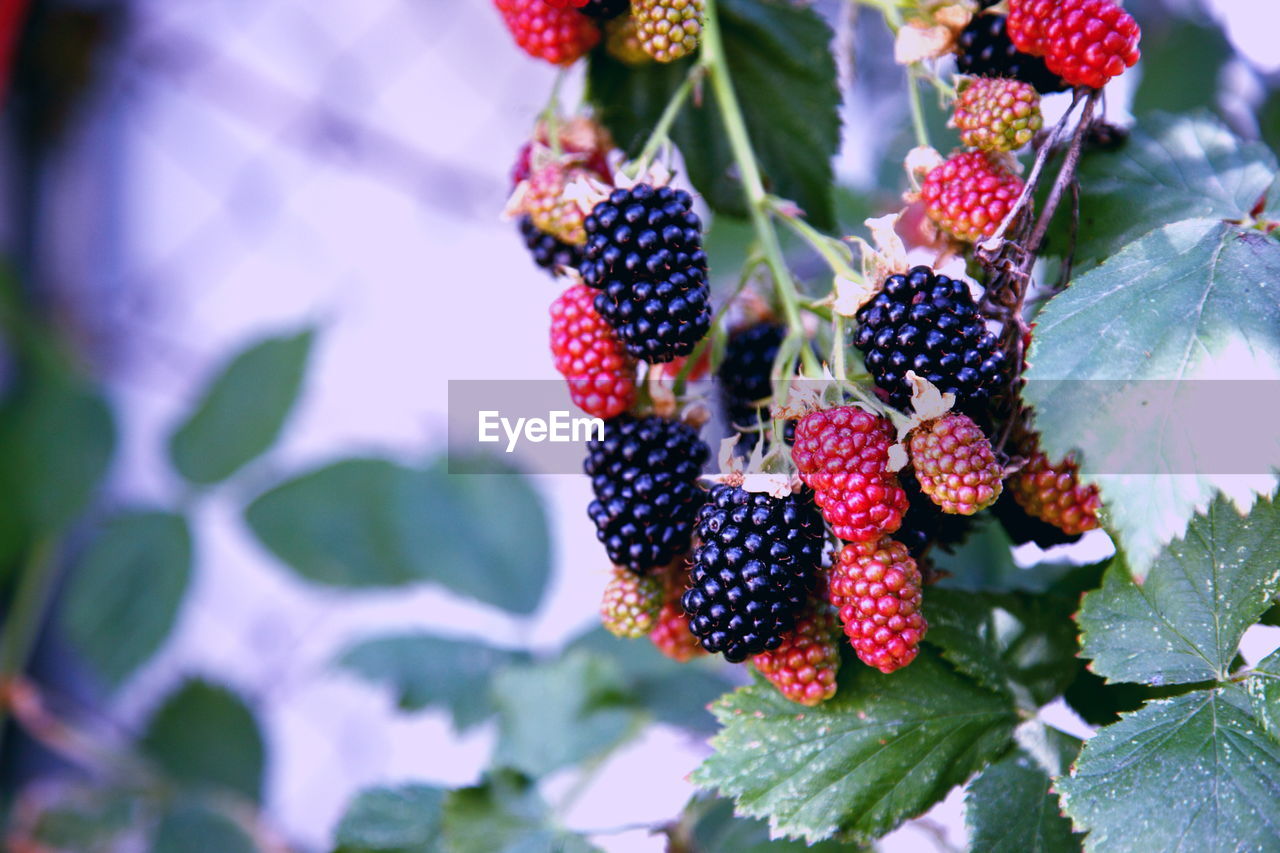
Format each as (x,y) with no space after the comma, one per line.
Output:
(644,251)
(644,474)
(753,569)
(547,251)
(984,50)
(603,10)
(930,324)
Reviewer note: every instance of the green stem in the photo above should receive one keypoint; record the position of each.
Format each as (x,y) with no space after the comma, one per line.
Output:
(551,115)
(735,127)
(837,255)
(917,108)
(662,130)
(26,613)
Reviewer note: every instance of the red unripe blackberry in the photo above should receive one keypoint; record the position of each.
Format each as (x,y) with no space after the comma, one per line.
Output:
(1027,22)
(753,569)
(955,465)
(546,203)
(644,251)
(877,589)
(930,324)
(559,36)
(843,455)
(601,376)
(631,602)
(804,666)
(1088,42)
(644,474)
(984,49)
(970,194)
(1054,493)
(548,252)
(996,114)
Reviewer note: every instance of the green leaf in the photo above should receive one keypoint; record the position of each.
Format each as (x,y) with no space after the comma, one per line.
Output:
(371,523)
(1172,168)
(504,815)
(204,736)
(555,714)
(1263,685)
(708,825)
(190,828)
(1184,74)
(1009,807)
(1195,772)
(426,671)
(406,819)
(123,596)
(58,436)
(675,693)
(884,749)
(1184,622)
(784,75)
(1022,646)
(242,411)
(1194,300)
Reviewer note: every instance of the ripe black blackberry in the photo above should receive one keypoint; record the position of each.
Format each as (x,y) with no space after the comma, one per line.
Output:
(548,252)
(756,560)
(983,49)
(644,251)
(745,380)
(603,10)
(644,474)
(929,323)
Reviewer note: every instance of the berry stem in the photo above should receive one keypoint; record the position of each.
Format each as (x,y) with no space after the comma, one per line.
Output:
(1033,178)
(662,130)
(551,115)
(1066,175)
(735,127)
(837,255)
(917,108)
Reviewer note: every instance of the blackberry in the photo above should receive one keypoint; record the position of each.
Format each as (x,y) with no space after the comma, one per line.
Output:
(930,324)
(745,377)
(547,251)
(603,10)
(985,50)
(644,251)
(753,569)
(644,474)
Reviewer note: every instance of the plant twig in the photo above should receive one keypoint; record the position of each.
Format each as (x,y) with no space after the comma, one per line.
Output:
(1066,175)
